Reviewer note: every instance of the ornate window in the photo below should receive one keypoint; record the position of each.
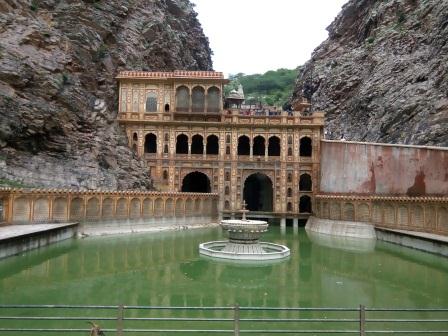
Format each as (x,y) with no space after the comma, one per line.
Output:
(198,99)
(151,102)
(213,99)
(182,99)
(124,103)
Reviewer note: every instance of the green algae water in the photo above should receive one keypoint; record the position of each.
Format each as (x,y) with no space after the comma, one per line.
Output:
(165,269)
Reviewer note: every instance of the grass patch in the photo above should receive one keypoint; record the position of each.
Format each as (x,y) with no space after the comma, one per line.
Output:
(13,184)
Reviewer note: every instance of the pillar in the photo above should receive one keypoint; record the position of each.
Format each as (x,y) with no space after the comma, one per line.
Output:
(266,147)
(295,225)
(251,148)
(283,222)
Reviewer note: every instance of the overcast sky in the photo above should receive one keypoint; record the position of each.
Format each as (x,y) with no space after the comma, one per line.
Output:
(254,36)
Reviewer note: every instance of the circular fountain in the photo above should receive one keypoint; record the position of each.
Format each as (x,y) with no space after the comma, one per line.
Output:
(243,243)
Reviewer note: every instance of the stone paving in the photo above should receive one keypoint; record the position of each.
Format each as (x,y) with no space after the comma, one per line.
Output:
(13,231)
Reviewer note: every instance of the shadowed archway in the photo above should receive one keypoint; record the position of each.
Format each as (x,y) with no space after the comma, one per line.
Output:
(258,192)
(196,182)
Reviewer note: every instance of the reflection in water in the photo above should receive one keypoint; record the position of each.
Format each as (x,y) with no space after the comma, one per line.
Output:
(359,245)
(165,269)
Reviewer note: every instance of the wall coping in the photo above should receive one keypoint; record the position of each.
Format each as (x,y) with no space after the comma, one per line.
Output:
(442,199)
(385,144)
(30,191)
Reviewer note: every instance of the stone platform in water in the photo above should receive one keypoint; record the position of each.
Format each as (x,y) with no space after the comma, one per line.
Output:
(341,228)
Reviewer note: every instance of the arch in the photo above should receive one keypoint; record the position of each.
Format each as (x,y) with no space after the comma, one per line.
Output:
(212,145)
(134,148)
(196,182)
(134,210)
(77,208)
(363,212)
(135,137)
(227,190)
(289,139)
(258,192)
(93,208)
(167,137)
(213,99)
(182,99)
(377,216)
(305,204)
(305,182)
(150,143)
(59,209)
(122,208)
(402,215)
(417,217)
(227,176)
(197,206)
(165,174)
(179,207)
(227,150)
(41,210)
(158,207)
(147,210)
(389,214)
(182,144)
(197,144)
(151,102)
(198,99)
(289,192)
(306,147)
(243,145)
(430,216)
(274,146)
(259,147)
(289,207)
(228,138)
(108,208)
(289,177)
(169,207)
(167,107)
(349,212)
(289,151)
(207,207)
(226,205)
(335,210)
(325,210)
(165,149)
(442,219)
(189,207)
(21,209)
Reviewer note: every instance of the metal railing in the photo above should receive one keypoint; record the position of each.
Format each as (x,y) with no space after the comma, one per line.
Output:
(236,320)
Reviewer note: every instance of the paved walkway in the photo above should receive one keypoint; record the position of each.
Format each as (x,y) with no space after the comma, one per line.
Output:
(423,235)
(13,231)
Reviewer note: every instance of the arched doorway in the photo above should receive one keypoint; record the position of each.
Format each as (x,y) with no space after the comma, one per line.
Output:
(243,145)
(305,204)
(306,146)
(182,144)
(150,143)
(212,145)
(196,182)
(305,183)
(274,146)
(258,192)
(197,144)
(259,146)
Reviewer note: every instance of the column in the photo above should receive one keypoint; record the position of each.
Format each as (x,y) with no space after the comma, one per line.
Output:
(266,147)
(295,225)
(204,151)
(283,225)
(251,148)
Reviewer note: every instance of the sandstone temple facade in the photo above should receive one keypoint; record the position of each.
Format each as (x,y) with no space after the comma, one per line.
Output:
(194,142)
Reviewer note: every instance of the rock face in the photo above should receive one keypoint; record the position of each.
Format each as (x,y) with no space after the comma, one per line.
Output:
(382,74)
(58,95)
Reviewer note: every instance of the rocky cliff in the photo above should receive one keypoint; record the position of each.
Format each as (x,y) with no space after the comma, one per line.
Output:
(58,95)
(382,74)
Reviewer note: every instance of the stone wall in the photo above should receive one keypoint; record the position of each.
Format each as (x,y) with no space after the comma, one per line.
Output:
(423,214)
(381,169)
(55,206)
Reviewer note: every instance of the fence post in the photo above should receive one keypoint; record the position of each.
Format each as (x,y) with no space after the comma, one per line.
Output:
(362,320)
(120,314)
(236,320)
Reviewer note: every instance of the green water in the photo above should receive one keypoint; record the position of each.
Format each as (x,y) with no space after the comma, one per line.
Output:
(165,269)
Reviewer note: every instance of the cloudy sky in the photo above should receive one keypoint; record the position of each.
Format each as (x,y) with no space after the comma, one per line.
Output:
(254,36)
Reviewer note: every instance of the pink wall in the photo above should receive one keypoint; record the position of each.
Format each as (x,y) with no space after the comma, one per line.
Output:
(363,168)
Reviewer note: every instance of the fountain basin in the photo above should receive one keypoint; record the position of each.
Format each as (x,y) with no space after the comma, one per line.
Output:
(244,231)
(261,251)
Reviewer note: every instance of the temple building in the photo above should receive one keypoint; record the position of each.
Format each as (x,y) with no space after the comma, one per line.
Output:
(194,140)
